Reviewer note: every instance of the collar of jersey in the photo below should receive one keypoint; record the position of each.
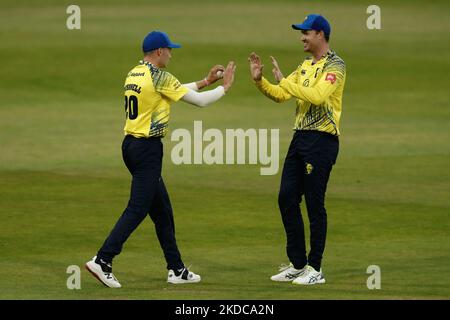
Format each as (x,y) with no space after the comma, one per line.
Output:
(329,53)
(147,64)
(153,69)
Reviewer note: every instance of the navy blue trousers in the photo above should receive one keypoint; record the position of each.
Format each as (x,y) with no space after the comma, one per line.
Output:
(305,174)
(143,158)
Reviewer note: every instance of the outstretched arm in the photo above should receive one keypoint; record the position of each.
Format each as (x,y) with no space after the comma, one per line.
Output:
(202,99)
(332,77)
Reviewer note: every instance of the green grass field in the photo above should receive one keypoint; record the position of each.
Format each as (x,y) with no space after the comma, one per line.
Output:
(63,184)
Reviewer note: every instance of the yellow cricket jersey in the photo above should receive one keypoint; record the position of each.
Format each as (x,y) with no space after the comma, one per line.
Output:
(148,94)
(318,88)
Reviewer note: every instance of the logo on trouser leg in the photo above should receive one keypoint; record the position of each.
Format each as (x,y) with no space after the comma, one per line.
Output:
(309,168)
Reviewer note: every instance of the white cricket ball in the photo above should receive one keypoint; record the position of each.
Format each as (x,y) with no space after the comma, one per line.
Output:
(219,74)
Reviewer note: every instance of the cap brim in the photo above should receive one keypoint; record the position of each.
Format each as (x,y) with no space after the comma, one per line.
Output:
(174,45)
(301,26)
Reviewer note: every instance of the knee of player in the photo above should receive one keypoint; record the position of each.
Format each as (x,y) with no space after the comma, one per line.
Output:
(287,198)
(315,207)
(139,209)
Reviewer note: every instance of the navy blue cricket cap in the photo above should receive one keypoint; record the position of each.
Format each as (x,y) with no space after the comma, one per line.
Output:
(157,39)
(314,22)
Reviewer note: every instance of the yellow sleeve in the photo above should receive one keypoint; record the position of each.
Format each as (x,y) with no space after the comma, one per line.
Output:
(169,86)
(274,92)
(331,78)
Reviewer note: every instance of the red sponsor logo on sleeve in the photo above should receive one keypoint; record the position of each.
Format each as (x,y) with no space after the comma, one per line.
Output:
(330,77)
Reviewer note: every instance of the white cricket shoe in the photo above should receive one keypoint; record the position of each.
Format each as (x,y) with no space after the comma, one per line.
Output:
(288,273)
(310,276)
(103,272)
(184,276)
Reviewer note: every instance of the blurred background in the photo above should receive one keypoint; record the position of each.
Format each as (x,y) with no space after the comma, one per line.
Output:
(63,184)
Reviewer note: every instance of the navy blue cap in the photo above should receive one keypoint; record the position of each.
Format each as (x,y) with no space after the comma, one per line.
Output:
(157,39)
(314,22)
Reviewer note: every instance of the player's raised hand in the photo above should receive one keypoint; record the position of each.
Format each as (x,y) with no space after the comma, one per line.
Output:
(228,75)
(255,66)
(276,70)
(215,74)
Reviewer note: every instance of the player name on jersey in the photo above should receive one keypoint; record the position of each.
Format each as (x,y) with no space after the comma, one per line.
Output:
(132,87)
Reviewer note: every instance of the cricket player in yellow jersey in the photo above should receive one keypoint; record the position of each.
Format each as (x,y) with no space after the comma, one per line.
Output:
(317,85)
(149,93)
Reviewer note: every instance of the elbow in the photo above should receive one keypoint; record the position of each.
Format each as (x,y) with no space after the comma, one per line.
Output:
(317,100)
(201,104)
(276,99)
